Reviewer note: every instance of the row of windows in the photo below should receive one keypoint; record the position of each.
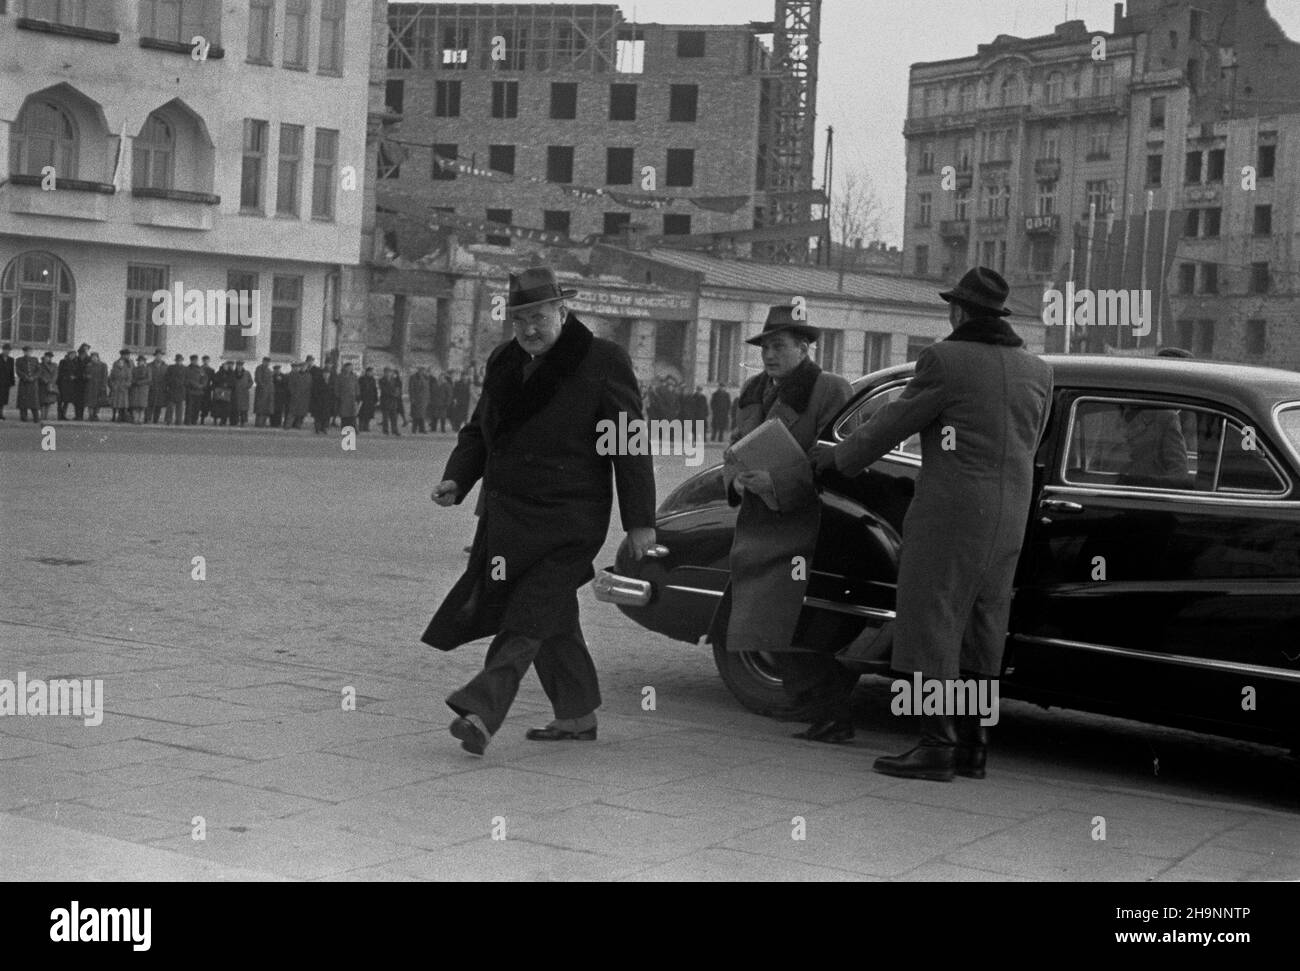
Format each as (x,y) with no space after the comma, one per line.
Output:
(38,298)
(1259,278)
(1202,165)
(1205,166)
(620,168)
(995,201)
(180,21)
(289,169)
(46,135)
(1198,336)
(451,45)
(1009,90)
(683,100)
(559,221)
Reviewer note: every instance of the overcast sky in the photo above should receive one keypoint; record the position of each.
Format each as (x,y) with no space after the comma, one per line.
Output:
(867,47)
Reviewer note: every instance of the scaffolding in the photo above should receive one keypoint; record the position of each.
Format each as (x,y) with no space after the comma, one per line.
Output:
(536,36)
(787,126)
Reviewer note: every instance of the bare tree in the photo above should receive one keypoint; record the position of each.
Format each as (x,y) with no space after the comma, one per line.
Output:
(856,209)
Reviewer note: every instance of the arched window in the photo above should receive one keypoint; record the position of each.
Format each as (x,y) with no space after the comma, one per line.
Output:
(37,300)
(154,152)
(1010,90)
(1055,87)
(44,135)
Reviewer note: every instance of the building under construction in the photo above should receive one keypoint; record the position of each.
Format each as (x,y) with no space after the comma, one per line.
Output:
(566,124)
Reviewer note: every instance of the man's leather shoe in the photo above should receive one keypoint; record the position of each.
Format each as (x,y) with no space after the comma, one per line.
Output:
(549,734)
(832,731)
(972,746)
(934,759)
(472,738)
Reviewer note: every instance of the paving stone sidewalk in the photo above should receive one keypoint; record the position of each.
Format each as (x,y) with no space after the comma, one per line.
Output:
(290,785)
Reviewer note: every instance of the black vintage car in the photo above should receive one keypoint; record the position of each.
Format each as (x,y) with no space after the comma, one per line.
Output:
(1160,575)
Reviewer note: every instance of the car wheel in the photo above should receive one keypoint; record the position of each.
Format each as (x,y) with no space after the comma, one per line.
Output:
(752,679)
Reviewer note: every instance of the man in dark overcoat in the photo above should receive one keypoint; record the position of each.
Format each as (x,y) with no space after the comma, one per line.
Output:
(157,387)
(979,401)
(458,407)
(263,394)
(27,371)
(390,399)
(8,377)
(545,512)
(196,388)
(80,378)
(96,386)
(67,383)
(368,388)
(174,391)
(418,387)
(719,414)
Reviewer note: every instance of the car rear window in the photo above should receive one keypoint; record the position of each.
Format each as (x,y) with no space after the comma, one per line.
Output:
(1288,419)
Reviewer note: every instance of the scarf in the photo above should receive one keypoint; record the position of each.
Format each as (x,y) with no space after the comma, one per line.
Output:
(987,330)
(795,389)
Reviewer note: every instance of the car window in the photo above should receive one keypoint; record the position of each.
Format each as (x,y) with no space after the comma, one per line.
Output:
(868,407)
(1162,445)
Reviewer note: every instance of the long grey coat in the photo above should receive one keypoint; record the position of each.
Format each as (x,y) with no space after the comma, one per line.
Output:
(760,608)
(963,531)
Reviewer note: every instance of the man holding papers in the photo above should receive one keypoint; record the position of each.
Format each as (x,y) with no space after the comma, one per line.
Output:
(768,474)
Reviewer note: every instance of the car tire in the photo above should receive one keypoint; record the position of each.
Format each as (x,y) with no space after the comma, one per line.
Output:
(752,680)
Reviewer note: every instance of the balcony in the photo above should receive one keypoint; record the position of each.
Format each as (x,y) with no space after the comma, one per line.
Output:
(953,229)
(965,178)
(1102,104)
(928,124)
(991,225)
(1045,225)
(174,208)
(995,165)
(1047,168)
(69,199)
(1202,193)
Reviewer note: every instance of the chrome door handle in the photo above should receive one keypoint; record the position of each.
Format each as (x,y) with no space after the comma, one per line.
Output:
(657,551)
(1061,505)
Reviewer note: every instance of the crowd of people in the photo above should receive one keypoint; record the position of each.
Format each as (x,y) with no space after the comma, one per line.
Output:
(138,390)
(142,391)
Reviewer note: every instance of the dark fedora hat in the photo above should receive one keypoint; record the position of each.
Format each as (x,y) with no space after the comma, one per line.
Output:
(981,289)
(781,318)
(534,286)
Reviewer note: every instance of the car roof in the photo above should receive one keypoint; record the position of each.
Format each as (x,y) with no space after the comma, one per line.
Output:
(1249,389)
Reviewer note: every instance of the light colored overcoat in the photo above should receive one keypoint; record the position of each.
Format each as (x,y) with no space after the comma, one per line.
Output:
(980,404)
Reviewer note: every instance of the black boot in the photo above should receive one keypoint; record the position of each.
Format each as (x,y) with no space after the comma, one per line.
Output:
(972,746)
(934,759)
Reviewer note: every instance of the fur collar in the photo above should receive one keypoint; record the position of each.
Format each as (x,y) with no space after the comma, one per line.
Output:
(795,391)
(514,399)
(987,330)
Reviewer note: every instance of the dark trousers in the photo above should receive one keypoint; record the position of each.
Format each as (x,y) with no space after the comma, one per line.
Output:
(816,684)
(390,418)
(563,665)
(193,403)
(172,412)
(417,424)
